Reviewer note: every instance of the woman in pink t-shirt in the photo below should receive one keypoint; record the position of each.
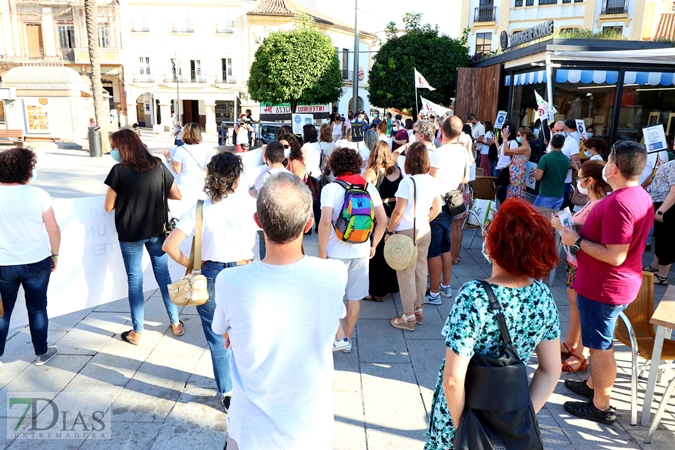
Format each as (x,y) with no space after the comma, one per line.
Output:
(589,182)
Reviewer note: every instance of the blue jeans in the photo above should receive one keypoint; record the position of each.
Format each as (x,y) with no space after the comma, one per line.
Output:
(220,356)
(566,195)
(549,202)
(132,254)
(598,321)
(34,278)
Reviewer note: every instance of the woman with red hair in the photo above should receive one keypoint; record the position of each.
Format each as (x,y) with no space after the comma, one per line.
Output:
(521,244)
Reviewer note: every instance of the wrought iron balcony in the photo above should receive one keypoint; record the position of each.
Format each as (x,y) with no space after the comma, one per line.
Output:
(182,27)
(141,78)
(615,7)
(140,27)
(226,79)
(224,27)
(485,14)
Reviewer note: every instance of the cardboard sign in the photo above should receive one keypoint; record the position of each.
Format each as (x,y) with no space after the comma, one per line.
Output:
(500,120)
(581,127)
(531,171)
(655,138)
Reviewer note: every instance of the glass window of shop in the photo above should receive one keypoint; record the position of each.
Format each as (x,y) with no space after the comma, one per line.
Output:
(648,98)
(524,106)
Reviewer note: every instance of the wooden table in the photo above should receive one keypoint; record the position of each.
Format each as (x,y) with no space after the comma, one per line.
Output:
(664,319)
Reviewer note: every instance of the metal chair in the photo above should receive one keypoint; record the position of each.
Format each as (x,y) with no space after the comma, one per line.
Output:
(635,331)
(484,188)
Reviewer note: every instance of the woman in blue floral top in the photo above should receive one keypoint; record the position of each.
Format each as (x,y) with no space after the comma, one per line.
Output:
(521,245)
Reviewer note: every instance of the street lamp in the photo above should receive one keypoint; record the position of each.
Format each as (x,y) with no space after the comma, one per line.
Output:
(176,60)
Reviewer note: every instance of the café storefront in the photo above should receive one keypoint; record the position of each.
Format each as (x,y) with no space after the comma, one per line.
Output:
(618,86)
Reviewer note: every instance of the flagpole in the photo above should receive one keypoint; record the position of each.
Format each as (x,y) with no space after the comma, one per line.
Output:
(417,104)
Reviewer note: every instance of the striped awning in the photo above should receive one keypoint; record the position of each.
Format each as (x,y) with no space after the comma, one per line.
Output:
(649,78)
(587,76)
(538,76)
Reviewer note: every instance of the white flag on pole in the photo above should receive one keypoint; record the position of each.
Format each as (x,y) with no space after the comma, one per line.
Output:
(420,82)
(428,107)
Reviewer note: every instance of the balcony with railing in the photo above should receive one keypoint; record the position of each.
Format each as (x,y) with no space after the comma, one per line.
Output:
(225,78)
(196,77)
(182,27)
(68,54)
(486,13)
(143,78)
(615,7)
(140,27)
(224,27)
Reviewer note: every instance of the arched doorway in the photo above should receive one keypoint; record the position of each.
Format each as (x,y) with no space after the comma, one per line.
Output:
(145,109)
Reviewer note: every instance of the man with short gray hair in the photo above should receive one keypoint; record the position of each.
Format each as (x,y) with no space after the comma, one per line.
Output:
(279,316)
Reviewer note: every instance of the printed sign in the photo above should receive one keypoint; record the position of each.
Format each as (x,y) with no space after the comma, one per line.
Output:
(581,127)
(500,120)
(531,171)
(37,112)
(285,108)
(565,217)
(300,120)
(655,138)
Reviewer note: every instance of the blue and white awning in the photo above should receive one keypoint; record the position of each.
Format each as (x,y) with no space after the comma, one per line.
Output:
(649,78)
(526,78)
(587,76)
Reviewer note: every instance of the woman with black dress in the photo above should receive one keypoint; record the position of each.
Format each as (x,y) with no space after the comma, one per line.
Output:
(382,171)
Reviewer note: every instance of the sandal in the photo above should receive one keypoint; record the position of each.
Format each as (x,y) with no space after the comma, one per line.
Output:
(583,364)
(406,323)
(373,299)
(568,353)
(125,337)
(182,329)
(649,268)
(419,316)
(660,280)
(456,261)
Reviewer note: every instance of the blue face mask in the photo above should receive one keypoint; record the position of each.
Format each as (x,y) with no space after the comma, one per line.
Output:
(519,140)
(589,135)
(567,133)
(587,154)
(34,177)
(116,155)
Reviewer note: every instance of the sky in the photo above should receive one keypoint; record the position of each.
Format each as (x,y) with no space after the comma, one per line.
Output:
(375,14)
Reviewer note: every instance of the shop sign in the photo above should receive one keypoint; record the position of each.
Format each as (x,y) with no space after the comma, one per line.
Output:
(285,108)
(523,37)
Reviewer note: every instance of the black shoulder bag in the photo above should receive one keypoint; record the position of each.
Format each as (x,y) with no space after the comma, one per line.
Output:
(498,411)
(168,221)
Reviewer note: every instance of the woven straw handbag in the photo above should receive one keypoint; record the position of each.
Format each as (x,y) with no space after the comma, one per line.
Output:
(400,251)
(191,290)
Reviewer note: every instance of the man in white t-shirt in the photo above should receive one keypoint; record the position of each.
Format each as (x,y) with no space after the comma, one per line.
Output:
(571,130)
(478,134)
(449,167)
(346,166)
(571,150)
(278,318)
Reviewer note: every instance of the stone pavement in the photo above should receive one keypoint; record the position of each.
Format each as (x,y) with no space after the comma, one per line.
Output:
(162,392)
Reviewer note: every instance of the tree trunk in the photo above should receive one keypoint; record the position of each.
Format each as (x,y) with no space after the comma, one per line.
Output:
(294,106)
(91,18)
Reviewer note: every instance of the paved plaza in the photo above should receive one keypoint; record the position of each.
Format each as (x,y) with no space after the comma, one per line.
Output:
(162,392)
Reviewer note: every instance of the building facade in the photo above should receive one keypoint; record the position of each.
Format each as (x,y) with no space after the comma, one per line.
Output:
(53,33)
(489,19)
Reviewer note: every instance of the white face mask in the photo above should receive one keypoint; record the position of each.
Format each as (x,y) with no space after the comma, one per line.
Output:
(582,190)
(394,128)
(604,177)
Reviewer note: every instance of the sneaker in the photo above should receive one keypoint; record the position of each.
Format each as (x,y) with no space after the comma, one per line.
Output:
(580,387)
(432,299)
(345,346)
(446,291)
(225,401)
(40,360)
(588,411)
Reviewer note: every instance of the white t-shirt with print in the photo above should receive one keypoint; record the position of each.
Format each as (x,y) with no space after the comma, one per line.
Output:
(427,191)
(570,148)
(192,167)
(450,159)
(265,174)
(23,238)
(229,231)
(333,196)
(282,375)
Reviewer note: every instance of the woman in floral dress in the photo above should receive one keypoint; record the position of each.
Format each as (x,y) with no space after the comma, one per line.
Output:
(528,306)
(518,169)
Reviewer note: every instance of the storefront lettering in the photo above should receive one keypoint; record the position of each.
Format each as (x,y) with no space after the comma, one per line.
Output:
(536,32)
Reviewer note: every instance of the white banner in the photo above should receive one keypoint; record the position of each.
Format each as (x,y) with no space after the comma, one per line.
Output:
(421,82)
(91,271)
(428,107)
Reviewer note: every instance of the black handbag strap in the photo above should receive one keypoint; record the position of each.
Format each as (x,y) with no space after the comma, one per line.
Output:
(497,309)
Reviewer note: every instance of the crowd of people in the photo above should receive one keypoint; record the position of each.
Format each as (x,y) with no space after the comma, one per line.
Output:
(358,183)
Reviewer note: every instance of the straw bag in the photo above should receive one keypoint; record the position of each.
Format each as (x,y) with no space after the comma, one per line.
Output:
(191,290)
(400,251)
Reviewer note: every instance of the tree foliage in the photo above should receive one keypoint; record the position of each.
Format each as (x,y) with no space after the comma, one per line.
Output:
(296,66)
(436,57)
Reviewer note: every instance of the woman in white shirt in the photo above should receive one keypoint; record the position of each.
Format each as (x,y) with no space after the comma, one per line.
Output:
(488,140)
(228,238)
(594,149)
(311,150)
(417,195)
(382,133)
(190,159)
(242,129)
(504,161)
(337,128)
(29,247)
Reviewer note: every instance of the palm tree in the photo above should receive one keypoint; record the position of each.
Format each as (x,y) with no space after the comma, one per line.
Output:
(91,19)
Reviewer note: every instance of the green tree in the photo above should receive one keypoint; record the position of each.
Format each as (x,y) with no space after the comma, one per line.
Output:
(296,66)
(391,80)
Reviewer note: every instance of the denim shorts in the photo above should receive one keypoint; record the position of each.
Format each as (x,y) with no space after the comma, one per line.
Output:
(440,234)
(598,321)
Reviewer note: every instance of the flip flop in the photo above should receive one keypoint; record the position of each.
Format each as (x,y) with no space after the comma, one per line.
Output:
(182,329)
(125,338)
(373,299)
